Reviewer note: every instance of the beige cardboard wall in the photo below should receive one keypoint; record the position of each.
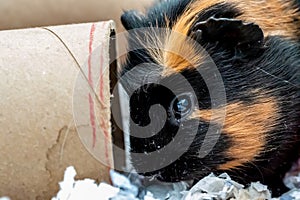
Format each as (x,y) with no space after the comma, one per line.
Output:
(46,100)
(32,13)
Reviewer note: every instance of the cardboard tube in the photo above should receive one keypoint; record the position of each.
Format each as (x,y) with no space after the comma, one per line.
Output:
(54,86)
(32,13)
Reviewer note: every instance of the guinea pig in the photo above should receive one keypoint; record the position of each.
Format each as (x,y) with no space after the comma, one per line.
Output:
(213,86)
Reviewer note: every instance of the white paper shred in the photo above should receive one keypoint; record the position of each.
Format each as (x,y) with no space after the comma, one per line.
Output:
(88,189)
(212,187)
(4,198)
(292,181)
(83,189)
(130,187)
(170,191)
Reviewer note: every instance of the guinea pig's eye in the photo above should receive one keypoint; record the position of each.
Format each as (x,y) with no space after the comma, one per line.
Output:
(182,105)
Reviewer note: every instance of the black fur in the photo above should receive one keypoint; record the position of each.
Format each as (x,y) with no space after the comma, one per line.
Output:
(155,15)
(274,67)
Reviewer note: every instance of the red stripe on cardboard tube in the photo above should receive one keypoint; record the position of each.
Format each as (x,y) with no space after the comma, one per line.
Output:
(91,101)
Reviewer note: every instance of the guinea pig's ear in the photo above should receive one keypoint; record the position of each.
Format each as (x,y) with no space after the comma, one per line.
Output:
(247,38)
(132,19)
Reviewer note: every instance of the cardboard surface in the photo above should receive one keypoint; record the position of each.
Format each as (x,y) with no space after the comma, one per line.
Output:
(47,100)
(33,13)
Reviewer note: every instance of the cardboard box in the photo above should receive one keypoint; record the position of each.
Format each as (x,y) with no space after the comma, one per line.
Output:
(32,13)
(54,86)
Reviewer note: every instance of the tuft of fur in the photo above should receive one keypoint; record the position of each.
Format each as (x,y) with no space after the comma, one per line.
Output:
(255,45)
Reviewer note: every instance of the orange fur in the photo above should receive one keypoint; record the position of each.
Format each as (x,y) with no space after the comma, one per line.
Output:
(173,50)
(247,126)
(275,17)
(178,44)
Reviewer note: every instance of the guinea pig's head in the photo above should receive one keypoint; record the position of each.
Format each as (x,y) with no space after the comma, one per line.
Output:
(167,136)
(202,98)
